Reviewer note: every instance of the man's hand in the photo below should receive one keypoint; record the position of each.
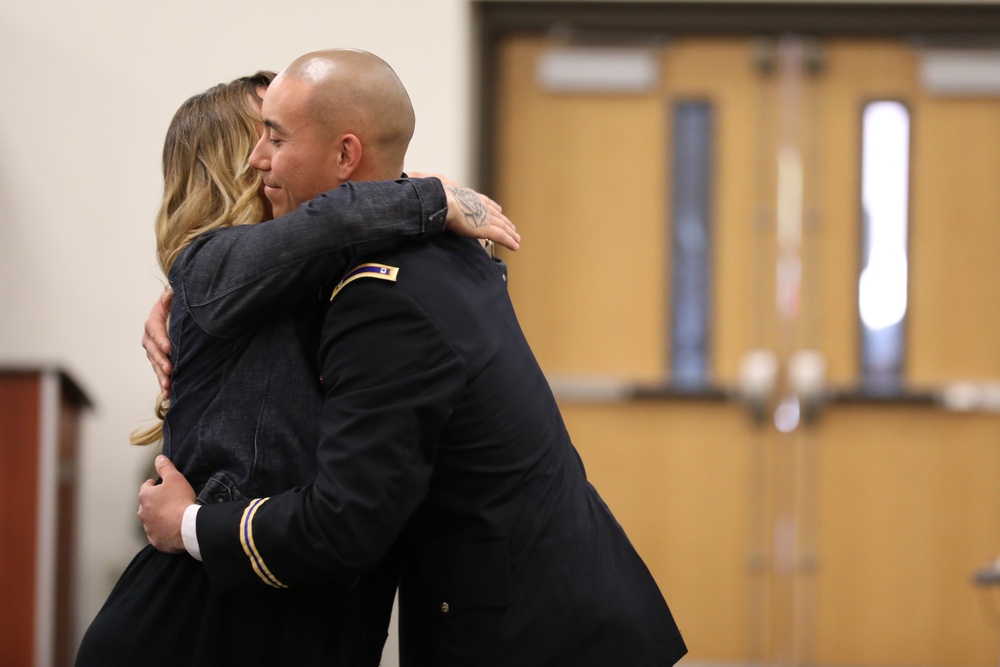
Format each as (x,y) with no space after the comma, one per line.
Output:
(161,506)
(156,342)
(475,215)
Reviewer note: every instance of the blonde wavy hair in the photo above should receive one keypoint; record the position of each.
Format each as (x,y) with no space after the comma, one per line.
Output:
(207,181)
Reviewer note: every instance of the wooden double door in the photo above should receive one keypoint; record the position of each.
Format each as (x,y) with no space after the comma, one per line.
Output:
(850,538)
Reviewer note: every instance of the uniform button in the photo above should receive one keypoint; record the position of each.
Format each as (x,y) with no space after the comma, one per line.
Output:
(445,607)
(219,498)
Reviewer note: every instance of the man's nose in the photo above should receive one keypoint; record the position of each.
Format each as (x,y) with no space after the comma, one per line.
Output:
(260,159)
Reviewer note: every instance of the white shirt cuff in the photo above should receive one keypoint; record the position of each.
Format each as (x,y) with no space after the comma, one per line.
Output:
(189,531)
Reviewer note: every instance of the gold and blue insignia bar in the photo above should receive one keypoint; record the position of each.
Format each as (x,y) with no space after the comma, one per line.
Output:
(369,270)
(246,538)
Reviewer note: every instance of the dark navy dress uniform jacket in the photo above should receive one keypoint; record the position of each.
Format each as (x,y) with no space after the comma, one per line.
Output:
(439,434)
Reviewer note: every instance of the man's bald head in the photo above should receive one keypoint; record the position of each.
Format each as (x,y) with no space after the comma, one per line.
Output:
(356,92)
(331,117)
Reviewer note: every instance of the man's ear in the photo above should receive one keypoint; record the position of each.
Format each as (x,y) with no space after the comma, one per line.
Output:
(350,156)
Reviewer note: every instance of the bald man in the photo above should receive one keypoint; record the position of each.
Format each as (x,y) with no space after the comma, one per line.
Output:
(331,120)
(439,434)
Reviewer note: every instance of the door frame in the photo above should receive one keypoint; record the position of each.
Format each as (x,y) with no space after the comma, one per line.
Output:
(631,22)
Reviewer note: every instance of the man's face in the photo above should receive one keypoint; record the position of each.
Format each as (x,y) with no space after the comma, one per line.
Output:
(296,155)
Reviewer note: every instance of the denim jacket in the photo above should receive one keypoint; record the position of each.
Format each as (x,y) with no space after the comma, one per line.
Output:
(244,326)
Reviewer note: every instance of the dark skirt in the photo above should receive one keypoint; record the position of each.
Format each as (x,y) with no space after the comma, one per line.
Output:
(164,611)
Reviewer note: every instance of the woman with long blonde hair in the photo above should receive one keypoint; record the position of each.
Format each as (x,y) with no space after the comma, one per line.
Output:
(242,419)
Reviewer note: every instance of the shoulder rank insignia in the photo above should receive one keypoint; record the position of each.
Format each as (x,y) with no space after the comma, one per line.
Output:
(370,270)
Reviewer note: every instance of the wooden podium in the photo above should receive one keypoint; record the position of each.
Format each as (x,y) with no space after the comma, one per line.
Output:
(40,410)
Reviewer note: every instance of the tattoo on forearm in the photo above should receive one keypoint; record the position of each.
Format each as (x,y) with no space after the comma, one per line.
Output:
(470,205)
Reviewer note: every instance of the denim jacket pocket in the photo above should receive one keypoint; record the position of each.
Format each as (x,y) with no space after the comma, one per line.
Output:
(220,488)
